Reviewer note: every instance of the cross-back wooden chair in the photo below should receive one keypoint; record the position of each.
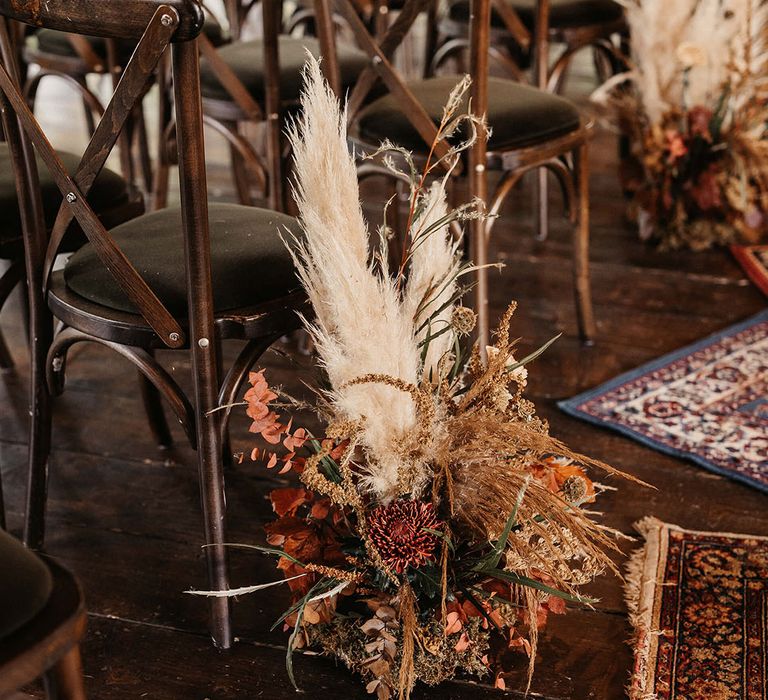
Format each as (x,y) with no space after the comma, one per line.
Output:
(520,35)
(531,129)
(522,30)
(180,278)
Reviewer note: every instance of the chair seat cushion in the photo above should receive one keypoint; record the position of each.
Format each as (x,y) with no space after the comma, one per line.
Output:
(563,14)
(249,262)
(246,59)
(518,115)
(25,585)
(57,43)
(109,191)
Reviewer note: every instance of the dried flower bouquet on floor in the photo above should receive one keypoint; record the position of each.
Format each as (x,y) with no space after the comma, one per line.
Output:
(437,523)
(694,110)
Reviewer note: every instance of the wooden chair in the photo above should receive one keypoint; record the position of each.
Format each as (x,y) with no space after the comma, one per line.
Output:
(531,129)
(42,620)
(520,34)
(257,81)
(521,31)
(178,278)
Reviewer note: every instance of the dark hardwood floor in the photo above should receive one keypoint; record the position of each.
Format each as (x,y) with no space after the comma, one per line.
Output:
(125,517)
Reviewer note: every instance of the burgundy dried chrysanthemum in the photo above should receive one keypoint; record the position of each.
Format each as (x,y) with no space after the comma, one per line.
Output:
(400,532)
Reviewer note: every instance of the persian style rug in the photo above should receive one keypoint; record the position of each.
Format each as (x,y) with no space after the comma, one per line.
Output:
(707,402)
(754,260)
(698,602)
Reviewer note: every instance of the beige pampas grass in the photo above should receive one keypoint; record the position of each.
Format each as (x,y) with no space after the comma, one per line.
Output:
(433,279)
(360,326)
(684,52)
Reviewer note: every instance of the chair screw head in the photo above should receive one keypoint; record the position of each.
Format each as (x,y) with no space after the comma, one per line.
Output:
(174,337)
(203,342)
(71,197)
(166,20)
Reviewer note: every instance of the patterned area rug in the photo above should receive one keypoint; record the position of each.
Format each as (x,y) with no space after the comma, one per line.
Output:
(707,402)
(699,604)
(754,260)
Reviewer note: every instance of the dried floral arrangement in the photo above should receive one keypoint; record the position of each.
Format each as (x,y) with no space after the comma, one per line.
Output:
(436,523)
(694,109)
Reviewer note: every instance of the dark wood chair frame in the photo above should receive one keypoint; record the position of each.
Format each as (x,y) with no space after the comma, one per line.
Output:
(49,644)
(566,156)
(455,41)
(156,26)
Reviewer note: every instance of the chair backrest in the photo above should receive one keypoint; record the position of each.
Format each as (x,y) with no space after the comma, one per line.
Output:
(382,48)
(155,25)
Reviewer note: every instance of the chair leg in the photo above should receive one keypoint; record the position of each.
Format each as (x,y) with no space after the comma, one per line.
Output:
(145,162)
(431,40)
(39,429)
(581,279)
(2,503)
(226,448)
(162,156)
(212,493)
(541,204)
(65,680)
(9,281)
(153,407)
(239,172)
(6,359)
(90,123)
(202,332)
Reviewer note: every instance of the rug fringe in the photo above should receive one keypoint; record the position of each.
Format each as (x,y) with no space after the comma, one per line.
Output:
(639,588)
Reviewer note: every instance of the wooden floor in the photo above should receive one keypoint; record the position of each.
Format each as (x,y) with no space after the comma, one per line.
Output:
(125,518)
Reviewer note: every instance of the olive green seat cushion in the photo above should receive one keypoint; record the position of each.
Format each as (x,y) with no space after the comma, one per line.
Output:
(519,115)
(563,14)
(246,59)
(108,191)
(25,585)
(249,262)
(57,43)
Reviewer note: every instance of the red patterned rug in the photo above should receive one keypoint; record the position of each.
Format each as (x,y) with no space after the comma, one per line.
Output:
(699,604)
(754,260)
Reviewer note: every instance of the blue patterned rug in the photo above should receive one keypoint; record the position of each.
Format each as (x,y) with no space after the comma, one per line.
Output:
(707,403)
